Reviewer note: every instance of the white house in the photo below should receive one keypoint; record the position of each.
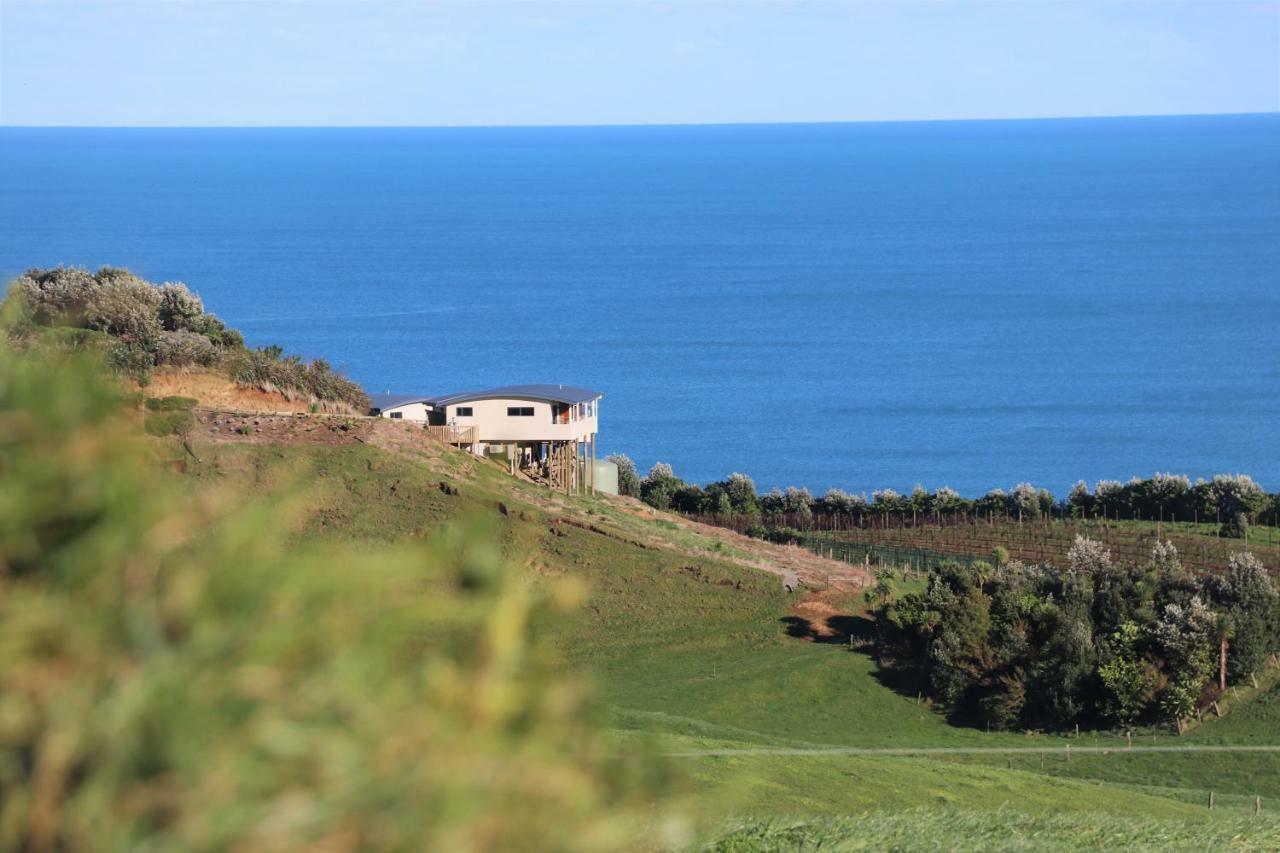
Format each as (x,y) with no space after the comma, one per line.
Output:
(547,430)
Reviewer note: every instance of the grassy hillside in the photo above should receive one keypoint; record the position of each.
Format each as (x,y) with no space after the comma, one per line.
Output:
(1001,829)
(692,649)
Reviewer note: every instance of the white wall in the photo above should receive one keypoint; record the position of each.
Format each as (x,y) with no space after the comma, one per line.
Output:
(496,425)
(409,411)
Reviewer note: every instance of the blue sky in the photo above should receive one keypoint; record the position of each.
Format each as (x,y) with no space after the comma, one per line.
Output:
(482,62)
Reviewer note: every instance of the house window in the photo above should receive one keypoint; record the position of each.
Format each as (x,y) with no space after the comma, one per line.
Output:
(519,411)
(397,415)
(464,412)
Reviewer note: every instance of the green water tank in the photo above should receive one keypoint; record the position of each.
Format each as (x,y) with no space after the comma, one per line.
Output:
(606,477)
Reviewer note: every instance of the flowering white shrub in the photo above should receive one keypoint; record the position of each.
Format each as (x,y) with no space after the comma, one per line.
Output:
(1164,558)
(1088,556)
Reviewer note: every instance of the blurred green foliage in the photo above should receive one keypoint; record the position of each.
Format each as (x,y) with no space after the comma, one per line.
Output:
(173,678)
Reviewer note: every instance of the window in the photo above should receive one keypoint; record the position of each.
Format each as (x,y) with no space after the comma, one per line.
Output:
(464,412)
(519,411)
(397,415)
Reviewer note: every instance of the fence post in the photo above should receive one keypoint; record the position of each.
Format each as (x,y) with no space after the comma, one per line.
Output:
(1257,806)
(1211,801)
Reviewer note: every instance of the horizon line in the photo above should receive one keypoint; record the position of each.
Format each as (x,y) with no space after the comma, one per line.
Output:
(605,125)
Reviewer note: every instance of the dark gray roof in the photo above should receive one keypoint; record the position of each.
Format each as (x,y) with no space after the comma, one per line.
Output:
(551,393)
(390,401)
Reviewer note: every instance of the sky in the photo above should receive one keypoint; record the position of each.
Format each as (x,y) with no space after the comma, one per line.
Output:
(481,62)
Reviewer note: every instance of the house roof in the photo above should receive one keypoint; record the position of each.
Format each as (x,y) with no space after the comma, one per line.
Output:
(551,393)
(391,401)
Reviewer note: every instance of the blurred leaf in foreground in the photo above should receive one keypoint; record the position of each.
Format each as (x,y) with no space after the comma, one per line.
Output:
(172,677)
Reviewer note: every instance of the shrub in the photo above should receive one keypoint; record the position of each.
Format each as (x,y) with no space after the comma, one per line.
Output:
(179,308)
(169,422)
(170,404)
(784,536)
(183,348)
(125,307)
(156,325)
(659,487)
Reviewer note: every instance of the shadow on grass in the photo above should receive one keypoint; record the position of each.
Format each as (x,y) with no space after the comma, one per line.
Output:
(836,630)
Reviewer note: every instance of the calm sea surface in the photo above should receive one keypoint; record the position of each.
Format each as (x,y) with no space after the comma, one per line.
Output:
(968,304)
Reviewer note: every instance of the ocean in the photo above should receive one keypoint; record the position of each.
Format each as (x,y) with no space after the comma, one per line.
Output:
(971,304)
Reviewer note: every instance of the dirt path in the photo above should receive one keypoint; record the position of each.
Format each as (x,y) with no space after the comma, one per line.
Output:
(796,565)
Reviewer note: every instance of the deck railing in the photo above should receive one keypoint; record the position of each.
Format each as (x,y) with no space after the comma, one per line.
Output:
(453,434)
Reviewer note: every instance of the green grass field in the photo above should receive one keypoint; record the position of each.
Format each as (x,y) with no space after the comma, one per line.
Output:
(691,653)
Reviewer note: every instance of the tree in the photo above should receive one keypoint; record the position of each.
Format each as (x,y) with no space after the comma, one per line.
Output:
(741,490)
(1127,679)
(1253,605)
(1235,498)
(798,506)
(1080,501)
(1169,492)
(1026,501)
(882,591)
(1109,498)
(1188,638)
(659,487)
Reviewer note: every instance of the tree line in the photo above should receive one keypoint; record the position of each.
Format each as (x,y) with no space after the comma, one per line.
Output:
(1233,501)
(1012,646)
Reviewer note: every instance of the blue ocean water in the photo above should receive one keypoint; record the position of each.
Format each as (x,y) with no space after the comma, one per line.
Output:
(970,304)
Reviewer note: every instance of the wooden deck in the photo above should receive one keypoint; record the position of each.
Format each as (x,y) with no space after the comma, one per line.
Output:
(453,434)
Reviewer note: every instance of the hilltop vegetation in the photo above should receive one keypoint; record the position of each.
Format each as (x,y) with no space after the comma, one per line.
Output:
(141,326)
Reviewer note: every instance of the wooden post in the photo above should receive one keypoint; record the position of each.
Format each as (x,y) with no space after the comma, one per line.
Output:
(1257,806)
(1211,801)
(1222,664)
(1128,736)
